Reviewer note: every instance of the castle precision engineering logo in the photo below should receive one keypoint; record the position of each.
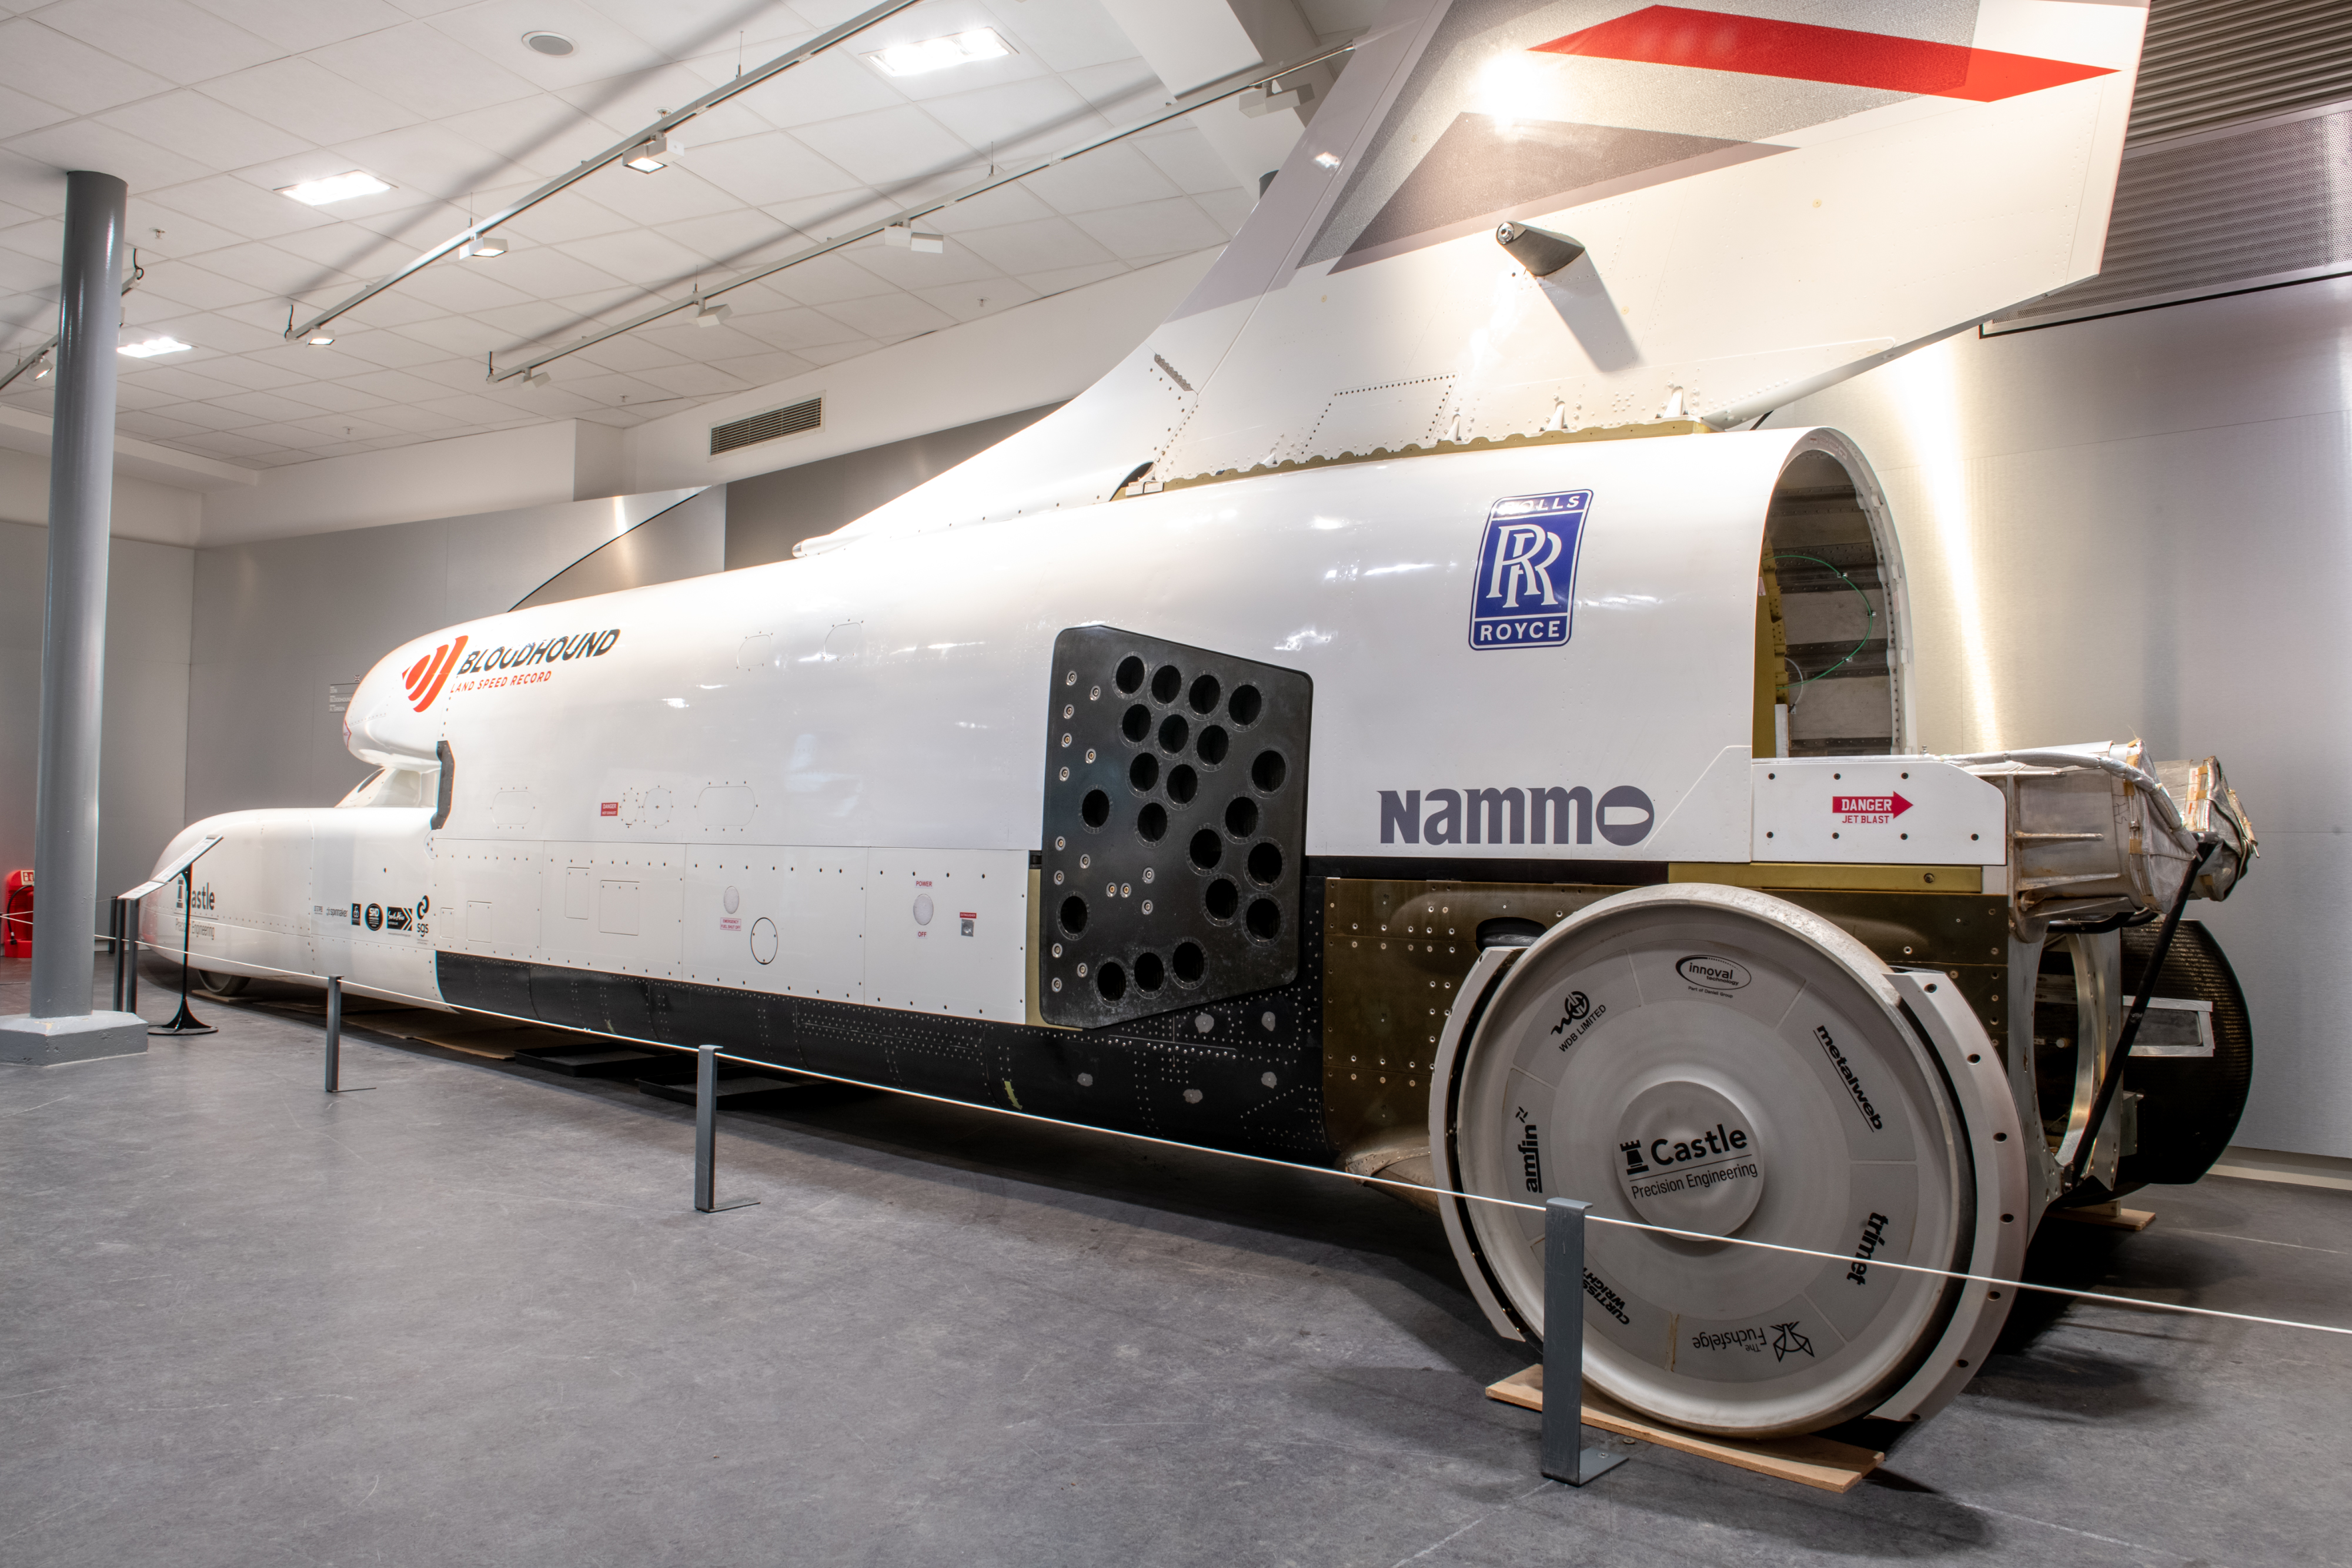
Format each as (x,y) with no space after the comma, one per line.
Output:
(1524,593)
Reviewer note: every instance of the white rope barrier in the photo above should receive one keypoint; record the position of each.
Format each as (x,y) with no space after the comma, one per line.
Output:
(2103,1296)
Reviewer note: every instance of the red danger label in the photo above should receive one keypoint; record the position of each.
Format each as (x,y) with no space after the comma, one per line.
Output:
(609,808)
(1866,808)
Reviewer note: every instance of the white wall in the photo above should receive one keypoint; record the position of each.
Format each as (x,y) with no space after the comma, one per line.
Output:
(142,509)
(1045,351)
(2144,524)
(143,738)
(527,467)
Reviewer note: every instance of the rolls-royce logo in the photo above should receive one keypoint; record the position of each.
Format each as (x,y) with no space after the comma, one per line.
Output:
(1525,591)
(1710,973)
(424,678)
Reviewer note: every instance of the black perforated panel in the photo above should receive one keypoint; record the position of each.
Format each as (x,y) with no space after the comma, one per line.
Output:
(1175,827)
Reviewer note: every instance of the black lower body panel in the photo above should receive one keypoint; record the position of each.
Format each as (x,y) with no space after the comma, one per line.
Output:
(1252,1080)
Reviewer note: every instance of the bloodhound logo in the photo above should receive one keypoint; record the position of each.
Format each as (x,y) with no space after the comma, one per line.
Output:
(425,677)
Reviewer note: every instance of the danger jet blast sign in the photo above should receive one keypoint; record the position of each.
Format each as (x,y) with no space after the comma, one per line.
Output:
(1864,810)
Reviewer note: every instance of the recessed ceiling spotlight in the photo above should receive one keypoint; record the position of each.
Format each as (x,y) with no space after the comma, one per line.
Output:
(938,54)
(152,347)
(549,43)
(650,156)
(334,188)
(319,340)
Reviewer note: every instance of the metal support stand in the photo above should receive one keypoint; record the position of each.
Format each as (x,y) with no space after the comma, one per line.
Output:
(184,1021)
(130,908)
(117,947)
(1565,1456)
(706,1134)
(335,1039)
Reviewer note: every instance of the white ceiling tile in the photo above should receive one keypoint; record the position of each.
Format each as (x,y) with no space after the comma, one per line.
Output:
(1007,204)
(184,237)
(269,370)
(419,67)
(33,186)
(393,386)
(460,335)
(205,129)
(890,147)
(544,272)
(566,216)
(154,426)
(693,343)
(825,279)
(799,327)
(603,386)
(1061,279)
(821,217)
(395,306)
(205,416)
(310,101)
(827,88)
(760,369)
(1184,155)
(295,26)
(264,405)
(1025,118)
(695,381)
(243,208)
(169,37)
(601,47)
(639,256)
(1034,247)
(338,397)
(630,354)
(431,159)
(225,444)
(91,144)
(541,134)
(450,375)
(170,381)
(1153,228)
(537,325)
(1125,90)
(834,354)
(890,317)
(42,239)
(627,102)
(1111,177)
(917,269)
(344,427)
(1231,208)
(194,287)
(468,408)
(21,111)
(393,350)
(971,301)
(680,30)
(1067,34)
(769,167)
(461,287)
(30,275)
(737,239)
(67,72)
(659,199)
(138,399)
(415,420)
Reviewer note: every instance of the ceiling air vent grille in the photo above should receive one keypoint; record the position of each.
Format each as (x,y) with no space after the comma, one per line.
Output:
(792,420)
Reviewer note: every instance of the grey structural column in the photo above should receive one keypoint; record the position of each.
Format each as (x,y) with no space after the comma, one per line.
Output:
(61,1026)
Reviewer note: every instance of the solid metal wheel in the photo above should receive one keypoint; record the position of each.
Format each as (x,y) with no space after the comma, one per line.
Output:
(1719,1061)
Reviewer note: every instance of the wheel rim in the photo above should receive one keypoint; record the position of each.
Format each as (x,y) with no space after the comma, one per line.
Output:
(1719,1061)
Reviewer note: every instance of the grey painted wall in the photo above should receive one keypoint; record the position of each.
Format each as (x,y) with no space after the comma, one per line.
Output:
(144,742)
(2144,524)
(277,623)
(769,514)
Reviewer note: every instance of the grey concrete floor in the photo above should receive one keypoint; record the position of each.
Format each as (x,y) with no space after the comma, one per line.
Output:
(469,1317)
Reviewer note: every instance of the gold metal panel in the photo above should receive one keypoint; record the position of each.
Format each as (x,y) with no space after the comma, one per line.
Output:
(1792,875)
(1395,953)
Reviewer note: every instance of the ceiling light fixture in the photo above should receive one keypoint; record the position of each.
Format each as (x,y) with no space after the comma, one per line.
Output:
(43,373)
(938,54)
(152,347)
(712,315)
(537,379)
(547,42)
(481,246)
(651,155)
(319,339)
(334,188)
(906,236)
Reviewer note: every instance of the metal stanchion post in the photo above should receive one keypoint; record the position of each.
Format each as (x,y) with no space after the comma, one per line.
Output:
(334,1033)
(706,1134)
(130,908)
(115,944)
(1565,1456)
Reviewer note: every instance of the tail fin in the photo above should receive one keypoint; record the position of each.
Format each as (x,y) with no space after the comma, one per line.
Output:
(1757,204)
